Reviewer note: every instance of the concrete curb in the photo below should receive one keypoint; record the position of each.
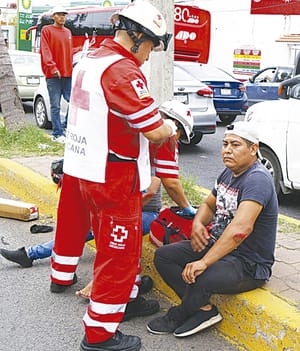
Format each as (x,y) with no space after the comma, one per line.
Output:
(256,320)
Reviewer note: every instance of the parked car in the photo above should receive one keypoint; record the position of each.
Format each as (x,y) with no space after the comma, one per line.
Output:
(187,89)
(264,84)
(199,97)
(28,71)
(278,123)
(230,99)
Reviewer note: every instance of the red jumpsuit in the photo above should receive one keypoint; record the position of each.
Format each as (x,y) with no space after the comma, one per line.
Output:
(110,106)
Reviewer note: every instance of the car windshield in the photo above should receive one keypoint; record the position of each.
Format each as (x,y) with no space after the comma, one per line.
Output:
(207,72)
(180,74)
(25,59)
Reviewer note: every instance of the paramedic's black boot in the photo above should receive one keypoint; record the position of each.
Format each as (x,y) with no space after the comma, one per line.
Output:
(118,342)
(59,288)
(18,256)
(140,307)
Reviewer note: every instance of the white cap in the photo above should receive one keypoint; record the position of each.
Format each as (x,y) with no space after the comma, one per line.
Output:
(244,130)
(58,9)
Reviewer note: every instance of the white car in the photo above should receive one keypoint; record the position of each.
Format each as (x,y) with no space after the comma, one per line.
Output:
(197,95)
(278,123)
(28,72)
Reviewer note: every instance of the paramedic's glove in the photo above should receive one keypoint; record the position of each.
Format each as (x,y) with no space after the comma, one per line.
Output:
(172,124)
(187,211)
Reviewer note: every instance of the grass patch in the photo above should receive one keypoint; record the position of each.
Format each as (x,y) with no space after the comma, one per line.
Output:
(28,141)
(285,226)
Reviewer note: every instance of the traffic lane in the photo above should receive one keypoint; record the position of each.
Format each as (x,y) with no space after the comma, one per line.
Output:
(36,319)
(203,163)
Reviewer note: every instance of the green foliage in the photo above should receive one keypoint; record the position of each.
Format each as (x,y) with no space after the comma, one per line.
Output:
(29,141)
(192,193)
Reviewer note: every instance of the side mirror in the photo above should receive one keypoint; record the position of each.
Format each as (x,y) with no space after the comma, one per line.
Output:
(251,79)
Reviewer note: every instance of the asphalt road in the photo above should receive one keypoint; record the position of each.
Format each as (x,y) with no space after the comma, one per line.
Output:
(33,319)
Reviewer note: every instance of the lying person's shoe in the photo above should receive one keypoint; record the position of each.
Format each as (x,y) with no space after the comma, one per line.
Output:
(198,321)
(18,256)
(140,307)
(59,288)
(118,342)
(146,284)
(165,324)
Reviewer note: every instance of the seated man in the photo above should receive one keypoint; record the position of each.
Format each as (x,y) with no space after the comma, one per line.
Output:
(233,239)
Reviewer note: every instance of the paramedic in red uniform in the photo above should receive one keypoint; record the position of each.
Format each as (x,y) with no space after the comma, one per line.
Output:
(56,51)
(111,119)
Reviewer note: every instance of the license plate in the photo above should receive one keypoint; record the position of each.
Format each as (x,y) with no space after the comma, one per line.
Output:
(33,80)
(182,98)
(225,91)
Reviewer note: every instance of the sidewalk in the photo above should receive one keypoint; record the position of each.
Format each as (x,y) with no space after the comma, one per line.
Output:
(265,319)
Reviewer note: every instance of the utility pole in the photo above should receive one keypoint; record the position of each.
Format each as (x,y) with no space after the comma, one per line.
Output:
(160,66)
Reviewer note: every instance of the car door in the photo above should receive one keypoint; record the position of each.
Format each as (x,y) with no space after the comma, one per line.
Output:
(263,86)
(293,140)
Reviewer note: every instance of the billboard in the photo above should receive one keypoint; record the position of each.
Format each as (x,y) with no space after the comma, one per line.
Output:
(275,7)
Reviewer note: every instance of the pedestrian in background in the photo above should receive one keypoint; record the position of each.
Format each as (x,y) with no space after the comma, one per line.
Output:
(56,51)
(112,117)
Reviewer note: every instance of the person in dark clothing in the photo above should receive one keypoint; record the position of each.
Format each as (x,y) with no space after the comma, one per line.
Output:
(232,241)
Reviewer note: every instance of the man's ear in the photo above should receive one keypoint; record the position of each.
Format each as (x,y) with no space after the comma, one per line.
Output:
(254,149)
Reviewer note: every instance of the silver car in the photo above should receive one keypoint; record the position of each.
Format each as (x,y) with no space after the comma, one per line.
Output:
(28,72)
(198,96)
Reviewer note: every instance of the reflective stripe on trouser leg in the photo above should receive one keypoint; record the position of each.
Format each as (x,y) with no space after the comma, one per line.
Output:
(116,222)
(72,226)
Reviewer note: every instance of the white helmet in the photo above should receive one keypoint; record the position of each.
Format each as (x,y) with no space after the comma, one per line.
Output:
(142,17)
(175,109)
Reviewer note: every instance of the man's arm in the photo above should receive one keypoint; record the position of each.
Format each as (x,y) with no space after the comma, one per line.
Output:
(151,191)
(175,191)
(204,215)
(234,234)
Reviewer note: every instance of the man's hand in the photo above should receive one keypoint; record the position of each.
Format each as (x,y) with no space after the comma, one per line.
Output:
(193,270)
(199,236)
(56,74)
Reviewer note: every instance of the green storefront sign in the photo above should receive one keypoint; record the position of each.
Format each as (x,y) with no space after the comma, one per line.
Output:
(24,22)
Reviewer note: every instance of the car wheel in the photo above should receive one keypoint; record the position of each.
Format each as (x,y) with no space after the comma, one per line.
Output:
(227,119)
(270,161)
(40,114)
(197,137)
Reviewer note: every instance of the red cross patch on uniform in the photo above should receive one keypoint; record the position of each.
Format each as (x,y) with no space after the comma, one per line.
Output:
(140,88)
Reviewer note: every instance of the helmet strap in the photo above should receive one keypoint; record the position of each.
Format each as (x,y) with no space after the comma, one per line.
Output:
(137,41)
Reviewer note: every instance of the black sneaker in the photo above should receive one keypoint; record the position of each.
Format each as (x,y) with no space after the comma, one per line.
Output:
(198,321)
(118,342)
(140,307)
(18,256)
(165,324)
(59,288)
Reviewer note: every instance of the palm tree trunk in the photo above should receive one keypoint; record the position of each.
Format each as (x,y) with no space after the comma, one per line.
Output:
(10,102)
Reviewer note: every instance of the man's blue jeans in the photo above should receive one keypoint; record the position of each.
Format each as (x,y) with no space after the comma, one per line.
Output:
(58,87)
(147,218)
(45,250)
